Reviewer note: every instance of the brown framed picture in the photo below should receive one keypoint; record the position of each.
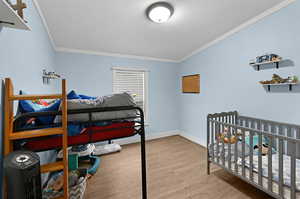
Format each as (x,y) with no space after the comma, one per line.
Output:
(191,84)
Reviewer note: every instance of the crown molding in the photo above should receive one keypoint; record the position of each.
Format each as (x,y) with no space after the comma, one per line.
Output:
(70,50)
(240,27)
(202,48)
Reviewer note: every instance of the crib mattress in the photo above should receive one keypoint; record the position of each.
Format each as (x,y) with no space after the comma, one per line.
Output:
(275,186)
(89,135)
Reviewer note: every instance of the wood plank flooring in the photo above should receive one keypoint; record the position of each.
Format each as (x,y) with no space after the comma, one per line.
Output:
(176,170)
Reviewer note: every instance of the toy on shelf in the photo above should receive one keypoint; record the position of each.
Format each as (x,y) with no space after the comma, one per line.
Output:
(19,7)
(276,79)
(266,58)
(279,81)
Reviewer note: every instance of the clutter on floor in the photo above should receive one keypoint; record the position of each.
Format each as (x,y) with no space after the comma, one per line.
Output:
(81,150)
(79,156)
(77,185)
(82,154)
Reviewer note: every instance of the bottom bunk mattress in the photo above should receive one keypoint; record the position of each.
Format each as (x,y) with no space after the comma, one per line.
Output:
(88,135)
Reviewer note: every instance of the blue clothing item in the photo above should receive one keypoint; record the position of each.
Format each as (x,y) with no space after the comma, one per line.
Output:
(73,95)
(75,129)
(86,97)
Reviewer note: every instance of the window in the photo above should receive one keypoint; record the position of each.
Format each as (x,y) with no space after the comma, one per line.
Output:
(134,82)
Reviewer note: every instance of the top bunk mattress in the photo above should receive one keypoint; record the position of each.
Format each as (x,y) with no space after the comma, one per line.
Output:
(115,100)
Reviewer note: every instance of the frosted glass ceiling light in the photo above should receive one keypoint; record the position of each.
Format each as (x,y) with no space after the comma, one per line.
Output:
(160,12)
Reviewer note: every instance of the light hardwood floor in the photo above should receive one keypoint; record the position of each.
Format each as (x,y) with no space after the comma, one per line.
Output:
(176,170)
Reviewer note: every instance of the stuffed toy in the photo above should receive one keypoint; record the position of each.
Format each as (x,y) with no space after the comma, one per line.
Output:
(264,149)
(224,137)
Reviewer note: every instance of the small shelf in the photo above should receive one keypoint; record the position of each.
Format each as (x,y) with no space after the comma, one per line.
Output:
(47,76)
(9,18)
(283,84)
(264,63)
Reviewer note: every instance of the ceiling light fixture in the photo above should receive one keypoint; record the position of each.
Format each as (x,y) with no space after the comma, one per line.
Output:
(160,12)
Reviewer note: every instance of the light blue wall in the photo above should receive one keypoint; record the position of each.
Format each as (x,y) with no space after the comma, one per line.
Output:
(23,55)
(92,74)
(229,83)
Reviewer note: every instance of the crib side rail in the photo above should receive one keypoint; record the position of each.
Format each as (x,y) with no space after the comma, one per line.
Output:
(230,117)
(283,138)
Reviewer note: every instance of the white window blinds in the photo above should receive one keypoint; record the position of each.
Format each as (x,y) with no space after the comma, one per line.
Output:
(132,82)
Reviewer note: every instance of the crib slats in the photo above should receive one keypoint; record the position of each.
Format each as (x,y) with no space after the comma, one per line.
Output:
(227,120)
(211,127)
(270,173)
(289,144)
(235,153)
(243,152)
(251,155)
(281,132)
(217,126)
(235,145)
(283,137)
(298,144)
(280,167)
(293,169)
(260,159)
(223,144)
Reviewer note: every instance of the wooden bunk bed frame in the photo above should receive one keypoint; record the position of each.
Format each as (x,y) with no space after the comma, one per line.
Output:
(12,134)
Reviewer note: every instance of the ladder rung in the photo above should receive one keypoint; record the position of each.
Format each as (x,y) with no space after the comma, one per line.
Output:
(56,166)
(35,97)
(36,133)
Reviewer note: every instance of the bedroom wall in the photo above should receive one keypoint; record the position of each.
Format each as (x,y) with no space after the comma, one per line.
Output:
(92,75)
(229,83)
(23,55)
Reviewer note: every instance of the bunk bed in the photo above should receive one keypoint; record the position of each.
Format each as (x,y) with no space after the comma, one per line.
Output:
(263,153)
(94,128)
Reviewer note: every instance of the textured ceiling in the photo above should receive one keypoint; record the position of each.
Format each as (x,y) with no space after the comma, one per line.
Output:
(121,27)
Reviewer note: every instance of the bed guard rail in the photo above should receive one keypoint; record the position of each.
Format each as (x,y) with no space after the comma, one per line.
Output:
(228,137)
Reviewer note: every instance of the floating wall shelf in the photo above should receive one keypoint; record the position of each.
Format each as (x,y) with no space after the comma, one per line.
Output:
(258,65)
(9,18)
(283,84)
(47,76)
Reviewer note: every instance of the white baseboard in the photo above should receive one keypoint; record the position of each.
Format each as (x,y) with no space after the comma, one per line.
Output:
(193,139)
(153,136)
(150,136)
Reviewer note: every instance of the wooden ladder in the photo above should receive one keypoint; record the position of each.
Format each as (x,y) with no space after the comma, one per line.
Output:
(10,135)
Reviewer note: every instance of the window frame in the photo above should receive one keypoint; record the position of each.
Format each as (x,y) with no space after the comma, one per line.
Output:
(146,85)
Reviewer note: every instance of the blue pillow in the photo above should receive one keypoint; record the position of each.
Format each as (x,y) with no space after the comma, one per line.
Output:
(27,106)
(52,107)
(72,95)
(86,97)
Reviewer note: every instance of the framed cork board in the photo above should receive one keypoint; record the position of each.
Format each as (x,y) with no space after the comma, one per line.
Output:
(191,84)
